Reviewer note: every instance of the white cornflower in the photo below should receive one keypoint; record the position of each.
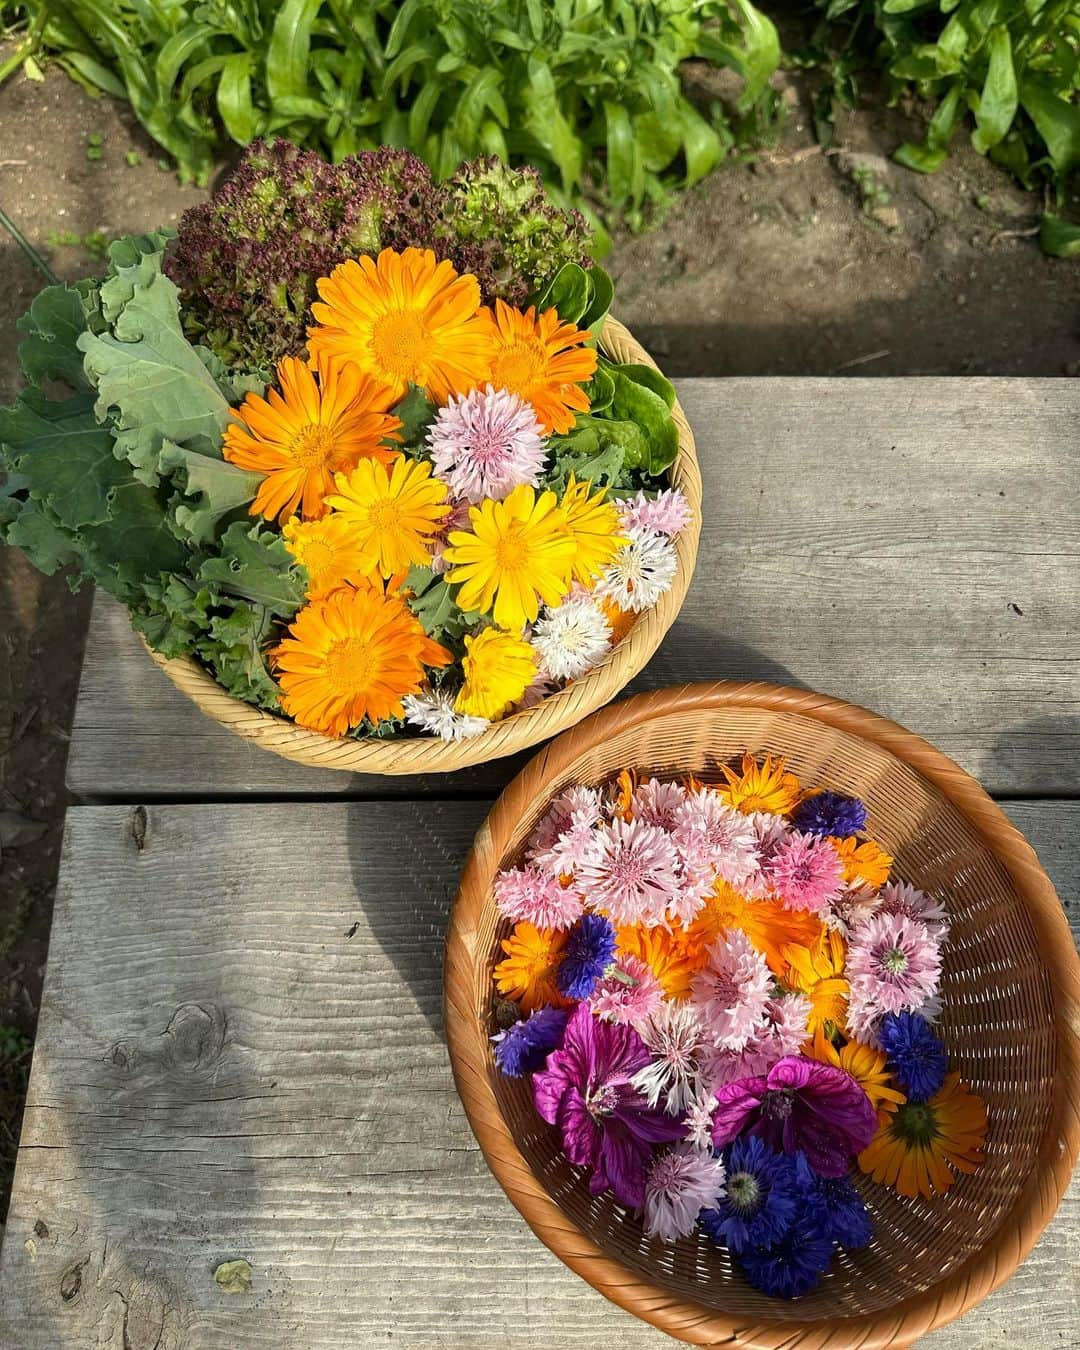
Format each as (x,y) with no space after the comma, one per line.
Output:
(435,713)
(679,1184)
(673,1035)
(571,638)
(642,571)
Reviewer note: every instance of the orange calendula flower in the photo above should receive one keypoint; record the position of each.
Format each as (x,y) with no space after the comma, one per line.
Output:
(528,974)
(761,787)
(864,862)
(517,554)
(621,620)
(299,438)
(817,972)
(351,656)
(594,526)
(404,319)
(328,551)
(394,510)
(671,956)
(919,1148)
(625,784)
(542,360)
(869,1068)
(769,925)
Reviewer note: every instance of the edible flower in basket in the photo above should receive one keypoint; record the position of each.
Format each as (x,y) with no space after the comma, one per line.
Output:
(726,1003)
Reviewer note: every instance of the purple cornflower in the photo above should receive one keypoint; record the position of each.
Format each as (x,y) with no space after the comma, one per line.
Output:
(828,813)
(524,1047)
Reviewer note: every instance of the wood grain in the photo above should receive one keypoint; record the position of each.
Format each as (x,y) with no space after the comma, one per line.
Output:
(908,544)
(239,1056)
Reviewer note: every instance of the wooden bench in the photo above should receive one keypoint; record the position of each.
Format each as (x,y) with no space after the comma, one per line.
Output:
(240,1054)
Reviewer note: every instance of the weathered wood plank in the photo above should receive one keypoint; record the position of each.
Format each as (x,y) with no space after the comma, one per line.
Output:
(239,1056)
(909,544)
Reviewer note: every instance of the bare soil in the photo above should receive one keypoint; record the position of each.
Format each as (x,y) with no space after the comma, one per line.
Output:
(800,262)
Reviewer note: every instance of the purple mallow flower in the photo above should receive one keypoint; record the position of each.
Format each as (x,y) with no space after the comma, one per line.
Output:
(606,1124)
(830,813)
(799,1106)
(524,1047)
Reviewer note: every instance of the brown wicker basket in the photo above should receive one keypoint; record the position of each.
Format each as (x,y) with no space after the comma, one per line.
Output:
(514,733)
(1011,988)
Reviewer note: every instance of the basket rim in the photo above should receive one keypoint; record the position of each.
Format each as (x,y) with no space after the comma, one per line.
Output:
(1036,1203)
(520,730)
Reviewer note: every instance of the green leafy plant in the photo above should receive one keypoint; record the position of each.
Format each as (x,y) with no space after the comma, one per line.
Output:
(1010,69)
(586,90)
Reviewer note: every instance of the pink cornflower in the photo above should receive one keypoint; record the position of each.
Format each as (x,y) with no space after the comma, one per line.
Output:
(805,872)
(578,843)
(732,992)
(627,993)
(785,1030)
(529,895)
(699,1121)
(666,513)
(853,906)
(633,873)
(458,519)
(695,886)
(893,963)
(485,443)
(558,815)
(673,1035)
(718,1067)
(711,834)
(771,832)
(679,1184)
(897,897)
(657,803)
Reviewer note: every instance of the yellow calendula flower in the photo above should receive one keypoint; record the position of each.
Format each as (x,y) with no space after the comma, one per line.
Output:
(499,667)
(527,975)
(394,510)
(404,318)
(817,972)
(864,862)
(917,1148)
(350,656)
(869,1068)
(301,436)
(518,553)
(328,551)
(543,360)
(595,528)
(761,787)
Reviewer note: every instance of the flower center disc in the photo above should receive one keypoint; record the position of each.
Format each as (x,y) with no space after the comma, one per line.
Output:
(895,961)
(516,367)
(511,551)
(743,1192)
(312,446)
(349,665)
(397,341)
(318,556)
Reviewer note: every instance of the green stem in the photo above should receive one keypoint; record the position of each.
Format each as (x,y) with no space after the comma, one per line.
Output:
(27,47)
(28,248)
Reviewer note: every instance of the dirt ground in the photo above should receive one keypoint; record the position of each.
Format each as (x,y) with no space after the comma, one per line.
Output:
(803,262)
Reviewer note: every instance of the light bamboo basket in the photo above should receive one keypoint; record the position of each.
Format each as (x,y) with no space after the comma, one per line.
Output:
(513,733)
(1011,1021)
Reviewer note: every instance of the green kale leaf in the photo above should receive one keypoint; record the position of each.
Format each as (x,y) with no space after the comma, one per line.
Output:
(254,564)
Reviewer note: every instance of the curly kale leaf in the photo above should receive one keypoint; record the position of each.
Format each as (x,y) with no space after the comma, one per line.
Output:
(255,565)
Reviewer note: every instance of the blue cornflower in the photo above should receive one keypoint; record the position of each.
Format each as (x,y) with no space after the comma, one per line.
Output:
(525,1046)
(832,1207)
(830,813)
(793,1265)
(916,1056)
(760,1202)
(589,951)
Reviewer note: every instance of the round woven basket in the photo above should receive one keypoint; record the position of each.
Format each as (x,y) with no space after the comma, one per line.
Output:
(513,733)
(1011,990)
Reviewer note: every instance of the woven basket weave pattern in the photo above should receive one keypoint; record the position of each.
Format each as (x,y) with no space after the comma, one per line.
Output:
(1010,986)
(512,734)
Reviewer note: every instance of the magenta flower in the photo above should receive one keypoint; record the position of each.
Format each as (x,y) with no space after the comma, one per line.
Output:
(799,1106)
(485,443)
(605,1122)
